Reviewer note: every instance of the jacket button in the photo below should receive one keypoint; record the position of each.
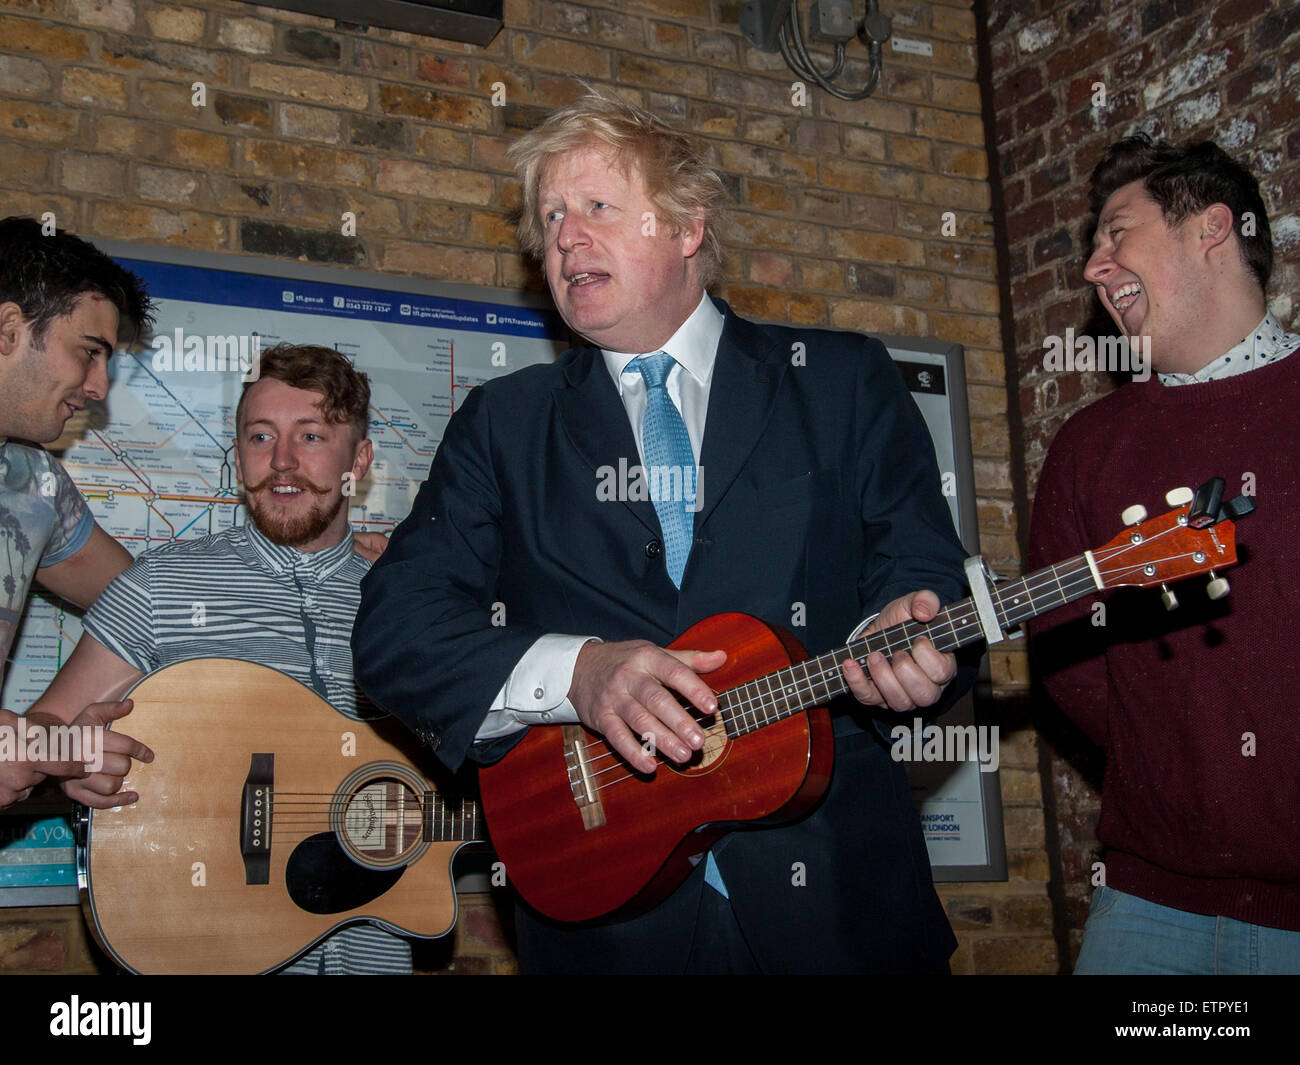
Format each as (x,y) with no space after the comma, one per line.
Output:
(653,549)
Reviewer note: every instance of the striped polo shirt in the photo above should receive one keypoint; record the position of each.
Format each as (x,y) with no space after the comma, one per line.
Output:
(238,595)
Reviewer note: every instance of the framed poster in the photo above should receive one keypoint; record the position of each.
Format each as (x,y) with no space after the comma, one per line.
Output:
(957,794)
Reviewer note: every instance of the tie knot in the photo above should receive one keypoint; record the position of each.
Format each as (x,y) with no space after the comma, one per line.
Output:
(654,368)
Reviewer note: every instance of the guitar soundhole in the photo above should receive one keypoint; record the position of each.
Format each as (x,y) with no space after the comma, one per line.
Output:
(383,820)
(378,816)
(708,757)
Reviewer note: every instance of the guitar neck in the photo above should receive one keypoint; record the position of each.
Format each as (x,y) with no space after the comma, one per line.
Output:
(814,681)
(451,821)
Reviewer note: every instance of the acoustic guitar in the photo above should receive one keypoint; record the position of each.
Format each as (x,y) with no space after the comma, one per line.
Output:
(266,821)
(583,835)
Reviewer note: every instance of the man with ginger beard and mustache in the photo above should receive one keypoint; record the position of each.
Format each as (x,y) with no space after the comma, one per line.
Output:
(281,590)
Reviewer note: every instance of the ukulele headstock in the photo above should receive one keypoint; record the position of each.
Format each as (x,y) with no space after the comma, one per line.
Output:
(1198,536)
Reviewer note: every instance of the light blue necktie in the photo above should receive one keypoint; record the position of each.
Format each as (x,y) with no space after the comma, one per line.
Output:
(666,445)
(669,463)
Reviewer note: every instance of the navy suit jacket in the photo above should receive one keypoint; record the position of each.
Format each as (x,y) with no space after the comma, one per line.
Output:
(821,503)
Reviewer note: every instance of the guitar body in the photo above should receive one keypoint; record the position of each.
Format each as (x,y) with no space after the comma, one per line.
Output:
(582,836)
(652,826)
(177,883)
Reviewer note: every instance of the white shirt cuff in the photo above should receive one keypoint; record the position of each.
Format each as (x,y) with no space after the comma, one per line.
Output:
(537,690)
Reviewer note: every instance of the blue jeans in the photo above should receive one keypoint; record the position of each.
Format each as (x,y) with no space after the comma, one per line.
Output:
(1127,934)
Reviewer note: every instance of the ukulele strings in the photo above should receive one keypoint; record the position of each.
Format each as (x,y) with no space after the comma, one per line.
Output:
(747,709)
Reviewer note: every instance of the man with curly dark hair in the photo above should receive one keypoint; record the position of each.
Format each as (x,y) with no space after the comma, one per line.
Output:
(65,307)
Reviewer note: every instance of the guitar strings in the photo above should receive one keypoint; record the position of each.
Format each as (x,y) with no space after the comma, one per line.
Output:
(969,620)
(1078,578)
(296,812)
(750,706)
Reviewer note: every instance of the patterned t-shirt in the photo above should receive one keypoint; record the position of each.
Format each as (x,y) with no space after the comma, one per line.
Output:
(43,520)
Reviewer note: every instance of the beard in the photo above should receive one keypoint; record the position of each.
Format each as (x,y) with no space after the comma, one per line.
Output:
(31,410)
(285,530)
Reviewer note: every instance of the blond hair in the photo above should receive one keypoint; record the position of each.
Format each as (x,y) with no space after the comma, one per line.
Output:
(678,181)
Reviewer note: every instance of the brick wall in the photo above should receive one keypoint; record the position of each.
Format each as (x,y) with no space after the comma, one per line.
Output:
(839,213)
(1179,69)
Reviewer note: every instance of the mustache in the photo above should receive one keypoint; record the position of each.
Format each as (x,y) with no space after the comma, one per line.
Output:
(293,482)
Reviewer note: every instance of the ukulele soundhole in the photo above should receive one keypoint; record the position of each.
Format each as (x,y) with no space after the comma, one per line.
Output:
(708,757)
(378,816)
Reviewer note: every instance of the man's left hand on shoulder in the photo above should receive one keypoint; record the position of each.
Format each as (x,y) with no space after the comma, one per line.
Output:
(369,545)
(912,679)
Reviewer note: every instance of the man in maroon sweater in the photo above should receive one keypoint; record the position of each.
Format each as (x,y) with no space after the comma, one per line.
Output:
(1195,709)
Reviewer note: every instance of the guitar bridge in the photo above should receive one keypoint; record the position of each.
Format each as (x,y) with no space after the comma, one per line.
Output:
(585,792)
(255,819)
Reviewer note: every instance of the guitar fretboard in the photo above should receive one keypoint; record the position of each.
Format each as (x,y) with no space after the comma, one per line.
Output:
(451,820)
(814,681)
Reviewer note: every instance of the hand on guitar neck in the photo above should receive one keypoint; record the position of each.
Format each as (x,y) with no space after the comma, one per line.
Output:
(912,679)
(621,690)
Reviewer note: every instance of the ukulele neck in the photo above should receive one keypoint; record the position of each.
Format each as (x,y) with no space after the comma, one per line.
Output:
(815,681)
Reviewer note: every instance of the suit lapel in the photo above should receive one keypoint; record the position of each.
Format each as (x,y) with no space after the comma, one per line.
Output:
(746,379)
(595,421)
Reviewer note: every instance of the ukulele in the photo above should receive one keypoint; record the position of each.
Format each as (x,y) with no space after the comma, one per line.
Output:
(583,835)
(266,821)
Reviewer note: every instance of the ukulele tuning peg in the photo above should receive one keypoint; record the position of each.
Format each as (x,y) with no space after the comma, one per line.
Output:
(1134,515)
(1168,598)
(1176,497)
(1217,588)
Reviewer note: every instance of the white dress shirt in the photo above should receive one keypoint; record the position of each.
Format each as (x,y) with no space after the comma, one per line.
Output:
(537,690)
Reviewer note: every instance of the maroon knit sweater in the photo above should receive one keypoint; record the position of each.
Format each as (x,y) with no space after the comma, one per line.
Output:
(1179,701)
